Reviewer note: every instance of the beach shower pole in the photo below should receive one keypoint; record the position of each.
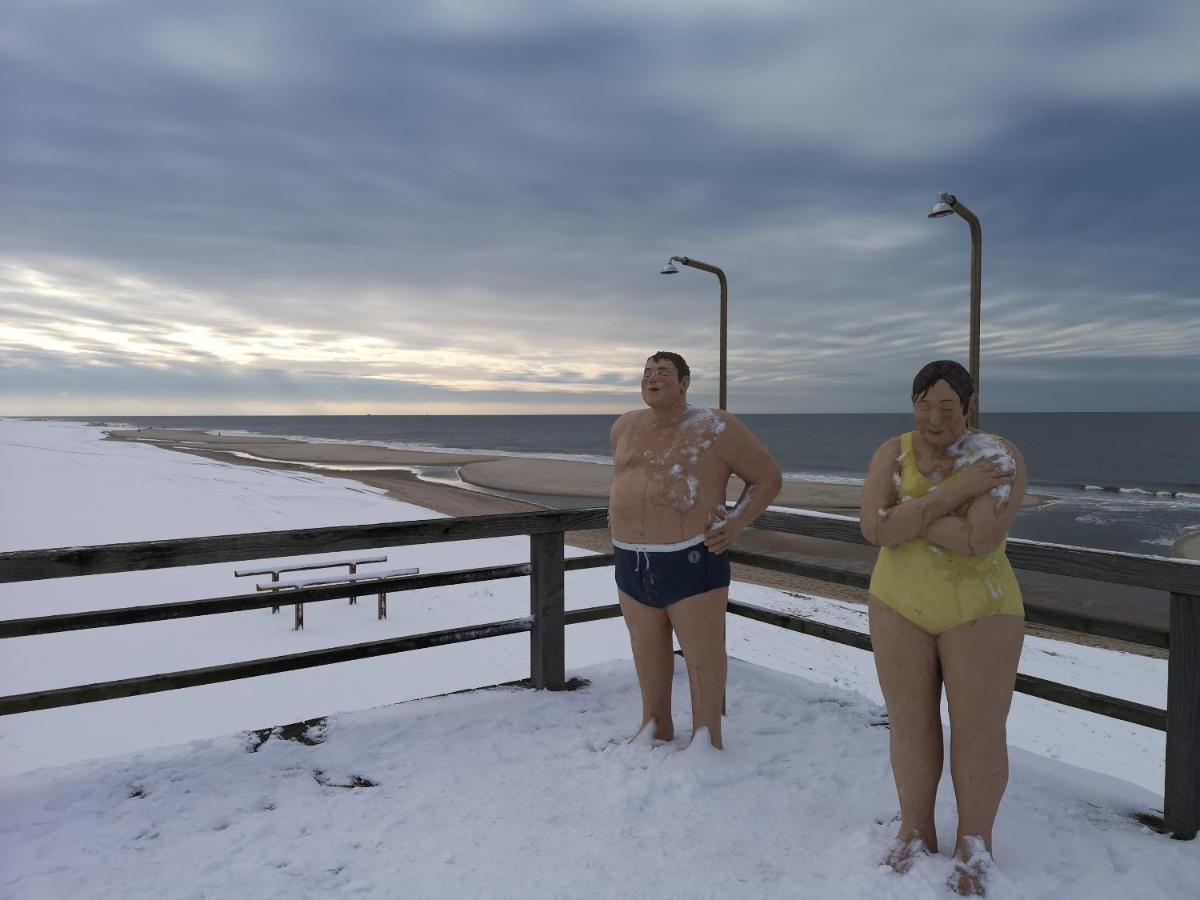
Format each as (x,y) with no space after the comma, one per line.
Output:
(947,204)
(669,269)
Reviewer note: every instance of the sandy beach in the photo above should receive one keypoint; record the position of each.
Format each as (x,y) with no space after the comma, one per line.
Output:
(536,478)
(509,474)
(519,475)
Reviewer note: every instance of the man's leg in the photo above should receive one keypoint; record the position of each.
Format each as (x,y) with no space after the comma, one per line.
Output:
(979,665)
(699,622)
(654,660)
(906,662)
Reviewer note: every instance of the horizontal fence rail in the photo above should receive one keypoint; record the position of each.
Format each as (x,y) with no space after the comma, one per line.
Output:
(170,681)
(1036,613)
(1064,694)
(1155,573)
(64,562)
(184,609)
(548,617)
(159,612)
(1133,569)
(1113,707)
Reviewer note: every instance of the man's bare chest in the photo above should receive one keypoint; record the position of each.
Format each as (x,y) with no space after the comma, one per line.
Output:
(657,451)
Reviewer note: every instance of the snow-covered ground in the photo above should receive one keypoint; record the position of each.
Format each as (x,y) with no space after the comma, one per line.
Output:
(499,793)
(512,793)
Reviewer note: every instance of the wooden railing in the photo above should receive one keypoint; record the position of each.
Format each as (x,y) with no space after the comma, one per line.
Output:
(548,617)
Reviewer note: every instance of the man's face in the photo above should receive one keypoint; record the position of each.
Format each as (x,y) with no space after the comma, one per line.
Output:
(939,415)
(661,385)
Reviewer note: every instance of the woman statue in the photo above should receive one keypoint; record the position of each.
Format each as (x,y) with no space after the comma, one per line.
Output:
(945,608)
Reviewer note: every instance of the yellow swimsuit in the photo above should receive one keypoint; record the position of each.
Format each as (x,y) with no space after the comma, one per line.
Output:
(934,588)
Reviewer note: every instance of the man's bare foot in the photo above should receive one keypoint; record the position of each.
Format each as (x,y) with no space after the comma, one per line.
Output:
(651,731)
(972,865)
(902,854)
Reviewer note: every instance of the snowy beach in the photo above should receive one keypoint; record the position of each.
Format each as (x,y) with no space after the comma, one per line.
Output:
(803,796)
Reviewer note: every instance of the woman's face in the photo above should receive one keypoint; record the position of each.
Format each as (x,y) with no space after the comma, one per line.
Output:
(939,415)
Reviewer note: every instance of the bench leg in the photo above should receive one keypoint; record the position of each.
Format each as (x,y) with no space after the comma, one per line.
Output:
(383,606)
(353,571)
(299,616)
(275,606)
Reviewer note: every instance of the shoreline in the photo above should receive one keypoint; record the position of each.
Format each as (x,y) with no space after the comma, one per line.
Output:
(585,480)
(523,475)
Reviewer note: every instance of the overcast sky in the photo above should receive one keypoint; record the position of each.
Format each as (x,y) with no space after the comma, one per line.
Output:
(303,207)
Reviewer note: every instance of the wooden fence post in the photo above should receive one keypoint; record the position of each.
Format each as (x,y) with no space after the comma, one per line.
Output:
(547,639)
(1181,794)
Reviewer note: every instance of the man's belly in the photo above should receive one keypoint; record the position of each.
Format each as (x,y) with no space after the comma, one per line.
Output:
(644,509)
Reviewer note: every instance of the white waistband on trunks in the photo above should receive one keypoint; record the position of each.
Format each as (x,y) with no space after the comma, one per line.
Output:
(659,548)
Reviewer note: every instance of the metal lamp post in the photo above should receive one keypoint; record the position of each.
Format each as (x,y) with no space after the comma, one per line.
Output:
(947,204)
(669,269)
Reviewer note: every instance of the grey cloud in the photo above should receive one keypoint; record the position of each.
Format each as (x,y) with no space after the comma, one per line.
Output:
(506,180)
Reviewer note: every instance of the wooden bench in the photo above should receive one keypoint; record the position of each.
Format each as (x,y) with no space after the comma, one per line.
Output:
(352,578)
(274,572)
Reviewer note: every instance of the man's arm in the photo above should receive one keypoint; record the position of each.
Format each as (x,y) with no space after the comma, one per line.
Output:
(614,435)
(750,461)
(614,439)
(982,528)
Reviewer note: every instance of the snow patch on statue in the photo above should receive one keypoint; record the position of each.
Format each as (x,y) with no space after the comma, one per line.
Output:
(697,431)
(974,446)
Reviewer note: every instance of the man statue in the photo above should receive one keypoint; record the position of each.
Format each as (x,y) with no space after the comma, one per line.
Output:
(670,531)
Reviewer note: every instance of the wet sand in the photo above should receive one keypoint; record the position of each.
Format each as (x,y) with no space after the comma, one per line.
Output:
(580,479)
(281,453)
(552,478)
(522,475)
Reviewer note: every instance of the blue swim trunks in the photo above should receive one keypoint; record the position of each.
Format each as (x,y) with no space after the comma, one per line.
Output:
(661,574)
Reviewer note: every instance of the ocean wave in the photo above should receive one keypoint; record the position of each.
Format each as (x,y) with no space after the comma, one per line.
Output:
(1141,492)
(821,478)
(1160,541)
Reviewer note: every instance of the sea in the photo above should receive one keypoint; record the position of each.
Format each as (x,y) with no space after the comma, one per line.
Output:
(1116,481)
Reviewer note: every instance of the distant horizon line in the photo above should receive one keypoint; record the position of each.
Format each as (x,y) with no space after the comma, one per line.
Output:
(1006,412)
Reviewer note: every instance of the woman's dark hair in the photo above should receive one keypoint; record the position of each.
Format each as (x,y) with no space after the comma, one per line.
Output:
(681,367)
(946,370)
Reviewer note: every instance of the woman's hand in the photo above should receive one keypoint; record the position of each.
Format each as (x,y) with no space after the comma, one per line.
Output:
(981,476)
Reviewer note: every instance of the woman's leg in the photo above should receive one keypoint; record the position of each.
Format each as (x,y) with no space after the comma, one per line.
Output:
(654,661)
(979,665)
(906,661)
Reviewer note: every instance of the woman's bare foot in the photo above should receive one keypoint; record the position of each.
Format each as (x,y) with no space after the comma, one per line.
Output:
(903,853)
(972,866)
